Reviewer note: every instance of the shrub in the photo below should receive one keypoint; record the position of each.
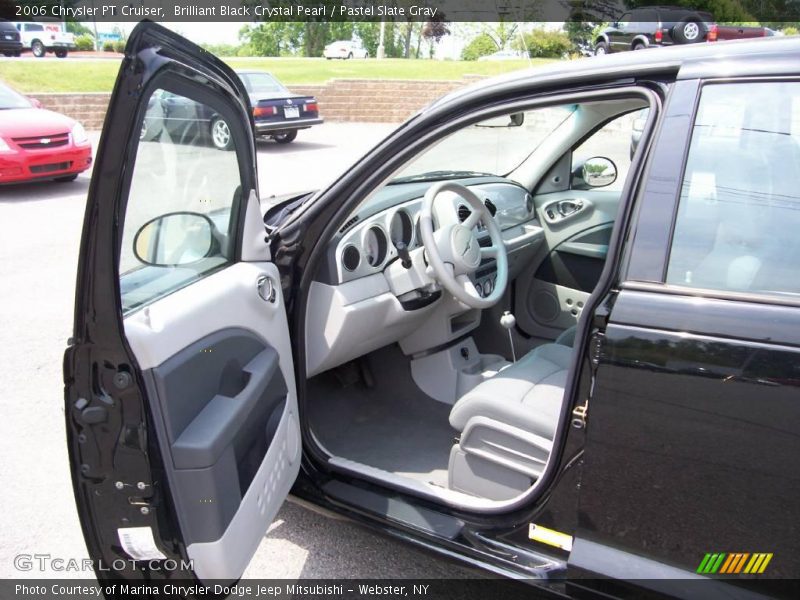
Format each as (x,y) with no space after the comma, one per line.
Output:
(479,46)
(119,46)
(545,44)
(108,46)
(84,42)
(789,31)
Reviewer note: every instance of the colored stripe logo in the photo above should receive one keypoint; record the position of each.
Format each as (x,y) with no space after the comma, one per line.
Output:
(734,563)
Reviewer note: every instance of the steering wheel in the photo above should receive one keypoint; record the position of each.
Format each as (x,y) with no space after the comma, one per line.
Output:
(453,251)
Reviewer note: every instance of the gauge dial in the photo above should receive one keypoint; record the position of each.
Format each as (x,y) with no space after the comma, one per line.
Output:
(401,228)
(375,246)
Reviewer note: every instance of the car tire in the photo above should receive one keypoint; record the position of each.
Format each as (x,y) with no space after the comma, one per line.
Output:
(221,135)
(18,53)
(601,48)
(689,31)
(638,46)
(38,49)
(61,53)
(349,56)
(7,53)
(66,178)
(285,138)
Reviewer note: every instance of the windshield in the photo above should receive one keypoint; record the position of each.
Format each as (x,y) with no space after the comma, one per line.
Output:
(495,146)
(258,83)
(11,99)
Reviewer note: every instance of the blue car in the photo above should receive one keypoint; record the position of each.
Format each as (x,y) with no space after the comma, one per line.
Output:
(278,113)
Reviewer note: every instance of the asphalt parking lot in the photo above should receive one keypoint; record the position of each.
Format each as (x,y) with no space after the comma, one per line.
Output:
(41,227)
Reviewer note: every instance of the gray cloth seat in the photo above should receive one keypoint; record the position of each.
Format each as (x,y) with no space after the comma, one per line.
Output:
(527,395)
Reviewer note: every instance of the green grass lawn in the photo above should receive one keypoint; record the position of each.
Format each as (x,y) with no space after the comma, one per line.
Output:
(98,75)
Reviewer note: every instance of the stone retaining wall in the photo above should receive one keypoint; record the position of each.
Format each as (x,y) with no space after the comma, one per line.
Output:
(360,100)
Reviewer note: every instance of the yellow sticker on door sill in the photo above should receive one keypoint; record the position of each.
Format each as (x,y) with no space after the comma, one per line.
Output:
(551,537)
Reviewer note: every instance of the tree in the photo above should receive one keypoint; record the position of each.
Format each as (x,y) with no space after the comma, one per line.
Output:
(544,44)
(481,45)
(78,28)
(433,31)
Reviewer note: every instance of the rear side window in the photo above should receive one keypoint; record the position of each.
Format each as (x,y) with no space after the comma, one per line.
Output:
(33,27)
(738,222)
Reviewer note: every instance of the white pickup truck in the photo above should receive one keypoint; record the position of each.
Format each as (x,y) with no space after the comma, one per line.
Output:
(41,38)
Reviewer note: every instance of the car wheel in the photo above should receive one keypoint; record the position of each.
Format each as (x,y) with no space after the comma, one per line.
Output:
(285,138)
(600,49)
(7,53)
(38,49)
(61,53)
(67,178)
(17,53)
(639,46)
(221,134)
(688,32)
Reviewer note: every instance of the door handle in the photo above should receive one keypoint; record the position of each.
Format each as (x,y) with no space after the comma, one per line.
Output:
(568,207)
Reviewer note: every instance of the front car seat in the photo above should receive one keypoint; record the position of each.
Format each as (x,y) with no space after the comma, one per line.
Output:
(508,423)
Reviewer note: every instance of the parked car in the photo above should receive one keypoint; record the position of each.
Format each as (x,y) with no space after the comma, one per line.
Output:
(345,49)
(277,112)
(484,338)
(44,37)
(9,39)
(651,26)
(504,55)
(36,143)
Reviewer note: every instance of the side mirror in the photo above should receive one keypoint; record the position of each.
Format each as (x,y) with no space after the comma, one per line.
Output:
(599,172)
(175,239)
(512,120)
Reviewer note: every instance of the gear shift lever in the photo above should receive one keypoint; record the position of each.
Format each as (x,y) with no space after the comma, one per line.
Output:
(507,321)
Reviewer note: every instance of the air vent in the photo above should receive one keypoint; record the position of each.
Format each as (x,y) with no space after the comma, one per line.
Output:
(349,224)
(351,258)
(490,205)
(463,213)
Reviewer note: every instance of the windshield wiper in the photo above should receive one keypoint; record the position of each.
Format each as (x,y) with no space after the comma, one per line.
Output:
(439,175)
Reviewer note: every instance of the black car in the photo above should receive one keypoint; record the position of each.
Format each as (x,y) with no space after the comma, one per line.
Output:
(10,44)
(572,368)
(643,28)
(278,113)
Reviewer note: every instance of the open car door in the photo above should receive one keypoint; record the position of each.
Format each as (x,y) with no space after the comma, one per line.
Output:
(181,405)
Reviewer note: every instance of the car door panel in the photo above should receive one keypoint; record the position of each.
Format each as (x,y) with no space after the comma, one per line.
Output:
(551,293)
(199,439)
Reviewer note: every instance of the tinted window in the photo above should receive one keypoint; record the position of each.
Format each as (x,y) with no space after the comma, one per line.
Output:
(33,27)
(739,213)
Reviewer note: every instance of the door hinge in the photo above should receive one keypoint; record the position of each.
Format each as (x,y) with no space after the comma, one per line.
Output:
(580,414)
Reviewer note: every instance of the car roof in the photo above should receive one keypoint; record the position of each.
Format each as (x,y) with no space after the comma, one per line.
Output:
(762,56)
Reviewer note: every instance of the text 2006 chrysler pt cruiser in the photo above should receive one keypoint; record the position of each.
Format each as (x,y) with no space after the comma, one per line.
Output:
(497,336)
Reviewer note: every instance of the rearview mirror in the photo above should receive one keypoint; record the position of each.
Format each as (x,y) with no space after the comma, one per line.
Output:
(175,239)
(512,120)
(599,172)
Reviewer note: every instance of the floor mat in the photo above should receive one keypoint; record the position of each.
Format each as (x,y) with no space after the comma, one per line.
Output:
(392,426)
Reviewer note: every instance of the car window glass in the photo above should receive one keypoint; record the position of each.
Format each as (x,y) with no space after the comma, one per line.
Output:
(33,27)
(617,141)
(185,182)
(260,83)
(495,146)
(739,212)
(10,99)
(624,20)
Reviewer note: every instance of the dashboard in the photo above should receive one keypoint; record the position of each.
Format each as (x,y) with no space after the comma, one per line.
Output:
(368,241)
(364,298)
